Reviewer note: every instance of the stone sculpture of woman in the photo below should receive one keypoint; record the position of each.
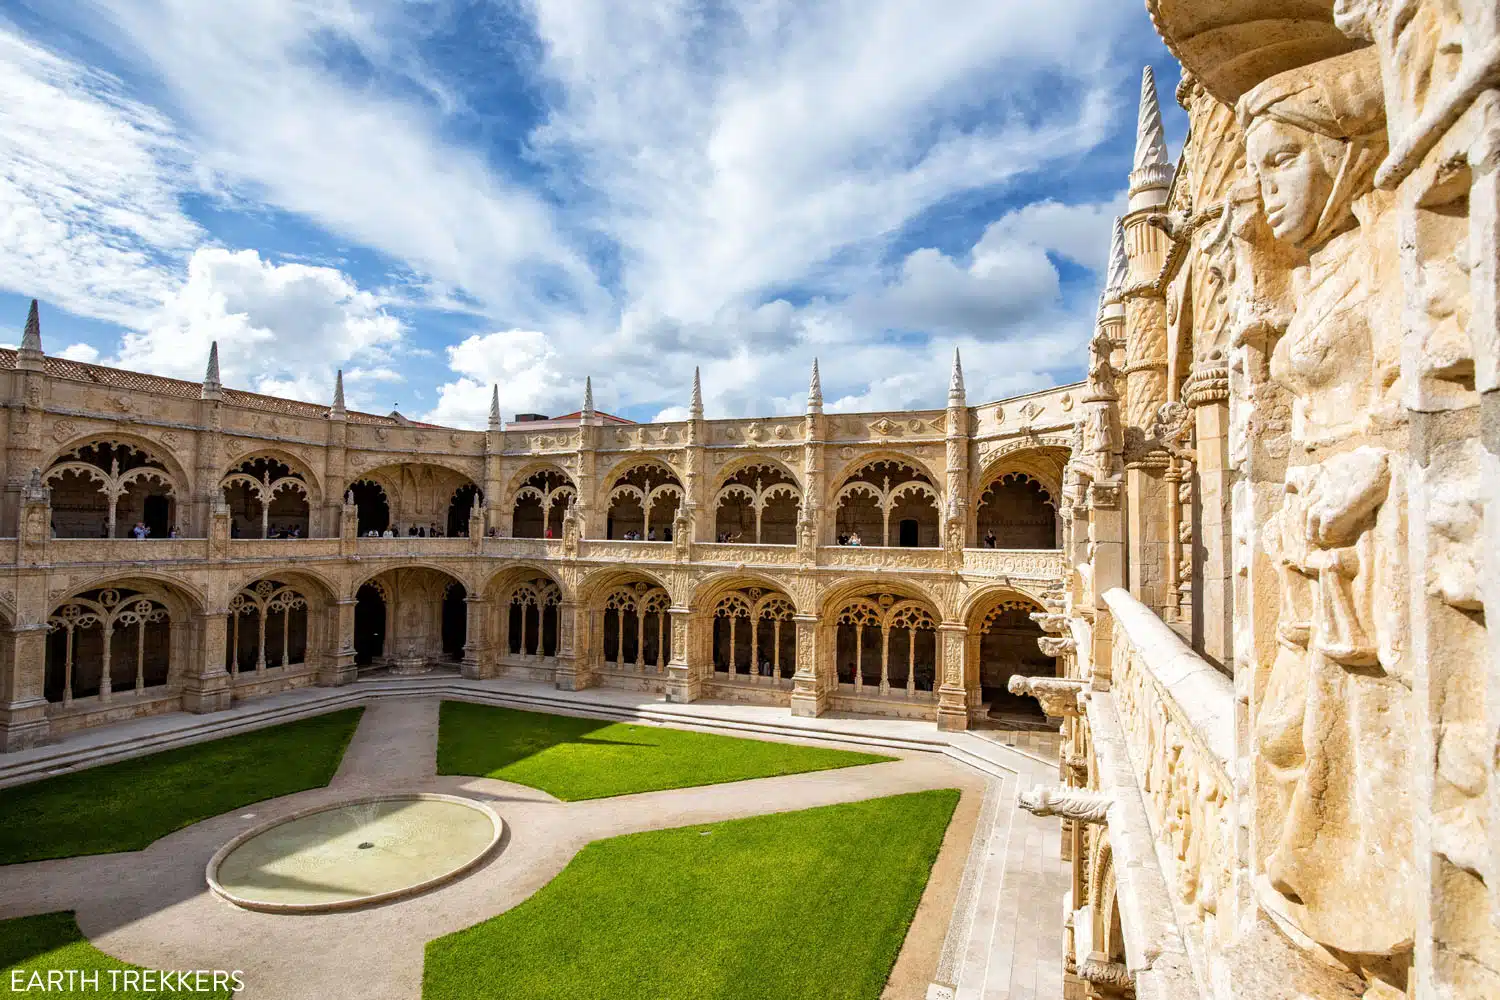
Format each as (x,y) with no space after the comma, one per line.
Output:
(1334,721)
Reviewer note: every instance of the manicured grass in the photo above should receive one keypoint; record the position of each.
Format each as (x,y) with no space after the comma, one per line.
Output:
(803,904)
(575,759)
(127,806)
(52,941)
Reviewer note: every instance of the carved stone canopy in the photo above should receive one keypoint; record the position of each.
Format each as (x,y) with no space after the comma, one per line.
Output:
(1077,804)
(1058,695)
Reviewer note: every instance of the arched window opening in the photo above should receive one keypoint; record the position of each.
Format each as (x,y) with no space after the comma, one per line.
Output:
(886,644)
(107,640)
(636,629)
(267,628)
(643,503)
(107,489)
(370,624)
(532,612)
(1007,648)
(374,509)
(875,504)
(754,639)
(1017,512)
(455,621)
(461,508)
(267,500)
(758,504)
(540,505)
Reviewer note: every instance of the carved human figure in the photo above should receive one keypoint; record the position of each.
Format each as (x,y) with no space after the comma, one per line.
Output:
(1332,719)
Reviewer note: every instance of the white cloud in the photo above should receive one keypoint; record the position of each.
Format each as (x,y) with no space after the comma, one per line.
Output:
(89,183)
(282,329)
(523,363)
(86,353)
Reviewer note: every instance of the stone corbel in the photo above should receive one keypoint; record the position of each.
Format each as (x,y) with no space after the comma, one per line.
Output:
(1077,804)
(1051,622)
(1056,645)
(1109,975)
(1058,695)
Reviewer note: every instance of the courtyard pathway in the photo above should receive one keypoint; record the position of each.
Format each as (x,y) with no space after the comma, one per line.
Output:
(984,922)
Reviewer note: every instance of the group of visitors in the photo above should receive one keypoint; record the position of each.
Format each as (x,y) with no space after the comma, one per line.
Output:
(852,538)
(729,536)
(635,536)
(140,532)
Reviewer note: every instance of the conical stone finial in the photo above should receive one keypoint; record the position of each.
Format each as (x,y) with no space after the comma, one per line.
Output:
(212,388)
(31,340)
(338,393)
(588,397)
(495,424)
(1119,263)
(1152,169)
(956,382)
(815,391)
(695,407)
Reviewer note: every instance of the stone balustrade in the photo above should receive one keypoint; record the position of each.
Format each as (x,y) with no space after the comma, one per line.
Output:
(1176,714)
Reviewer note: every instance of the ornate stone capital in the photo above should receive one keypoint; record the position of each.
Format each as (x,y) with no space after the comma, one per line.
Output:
(1077,804)
(1058,695)
(1207,383)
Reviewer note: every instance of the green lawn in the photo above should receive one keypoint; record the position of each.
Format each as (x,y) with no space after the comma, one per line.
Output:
(575,759)
(52,941)
(127,806)
(803,904)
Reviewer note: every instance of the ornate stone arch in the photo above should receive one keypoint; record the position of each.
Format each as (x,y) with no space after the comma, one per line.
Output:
(840,477)
(707,591)
(290,459)
(609,477)
(370,573)
(739,463)
(177,472)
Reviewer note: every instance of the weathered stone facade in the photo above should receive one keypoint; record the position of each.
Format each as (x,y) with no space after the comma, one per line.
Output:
(1282,522)
(578,551)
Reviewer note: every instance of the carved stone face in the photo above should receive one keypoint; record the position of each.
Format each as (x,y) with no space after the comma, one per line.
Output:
(1295,182)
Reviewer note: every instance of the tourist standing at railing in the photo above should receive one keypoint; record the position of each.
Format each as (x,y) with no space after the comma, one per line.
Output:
(140,531)
(854,538)
(989,539)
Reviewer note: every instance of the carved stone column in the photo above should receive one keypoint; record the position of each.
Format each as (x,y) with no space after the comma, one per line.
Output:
(338,663)
(953,693)
(1207,392)
(205,684)
(577,647)
(479,657)
(810,684)
(23,708)
(684,677)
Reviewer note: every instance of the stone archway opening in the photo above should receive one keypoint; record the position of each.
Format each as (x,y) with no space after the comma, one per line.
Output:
(370,627)
(887,503)
(540,505)
(268,627)
(1007,640)
(109,641)
(760,505)
(465,499)
(754,639)
(103,489)
(1017,512)
(642,504)
(886,646)
(373,506)
(267,499)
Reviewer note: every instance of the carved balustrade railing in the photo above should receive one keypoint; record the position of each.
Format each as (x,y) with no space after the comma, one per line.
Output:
(125,550)
(878,556)
(751,555)
(409,546)
(1177,714)
(1020,564)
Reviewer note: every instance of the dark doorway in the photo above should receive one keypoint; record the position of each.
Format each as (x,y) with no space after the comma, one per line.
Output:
(157,513)
(459,508)
(374,511)
(369,625)
(908,529)
(455,622)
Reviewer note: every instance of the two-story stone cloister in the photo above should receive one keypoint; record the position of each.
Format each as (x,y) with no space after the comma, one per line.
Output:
(876,563)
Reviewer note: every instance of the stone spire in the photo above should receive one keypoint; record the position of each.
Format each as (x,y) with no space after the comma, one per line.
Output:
(495,422)
(31,340)
(212,389)
(1152,171)
(1119,264)
(588,400)
(695,407)
(338,395)
(956,382)
(815,391)
(30,356)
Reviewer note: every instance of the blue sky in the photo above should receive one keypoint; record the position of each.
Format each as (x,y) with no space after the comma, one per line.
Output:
(437,195)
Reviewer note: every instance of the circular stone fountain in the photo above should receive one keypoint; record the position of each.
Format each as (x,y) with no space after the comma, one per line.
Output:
(354,853)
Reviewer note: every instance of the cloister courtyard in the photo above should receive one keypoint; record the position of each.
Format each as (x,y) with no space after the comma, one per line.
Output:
(637,859)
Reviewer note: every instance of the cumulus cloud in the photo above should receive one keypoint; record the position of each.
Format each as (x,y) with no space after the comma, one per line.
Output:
(86,353)
(282,329)
(523,363)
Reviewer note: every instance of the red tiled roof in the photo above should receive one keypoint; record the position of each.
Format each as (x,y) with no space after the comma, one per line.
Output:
(119,378)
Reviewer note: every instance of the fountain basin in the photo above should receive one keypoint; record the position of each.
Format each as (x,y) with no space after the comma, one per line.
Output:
(351,854)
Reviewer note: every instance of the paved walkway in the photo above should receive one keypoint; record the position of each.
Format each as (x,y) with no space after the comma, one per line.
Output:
(989,924)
